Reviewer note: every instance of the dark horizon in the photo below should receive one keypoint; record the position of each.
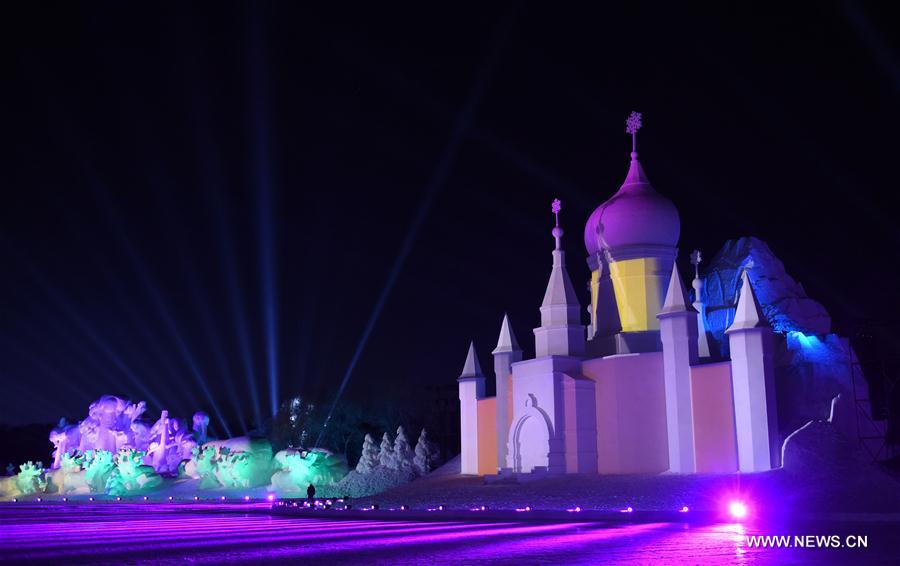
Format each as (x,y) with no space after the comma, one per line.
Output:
(189,183)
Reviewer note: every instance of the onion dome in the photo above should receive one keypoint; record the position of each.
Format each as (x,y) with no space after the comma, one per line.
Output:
(636,215)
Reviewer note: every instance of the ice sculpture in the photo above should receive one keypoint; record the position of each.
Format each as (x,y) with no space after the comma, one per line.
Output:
(131,476)
(65,438)
(31,478)
(98,466)
(201,422)
(114,424)
(298,469)
(236,462)
(170,444)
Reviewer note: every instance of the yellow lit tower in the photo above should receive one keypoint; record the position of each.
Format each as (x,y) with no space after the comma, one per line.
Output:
(631,242)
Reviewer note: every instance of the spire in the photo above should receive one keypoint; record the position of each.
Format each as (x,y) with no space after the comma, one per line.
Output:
(560,291)
(561,332)
(748,313)
(507,341)
(636,175)
(676,297)
(472,368)
(697,284)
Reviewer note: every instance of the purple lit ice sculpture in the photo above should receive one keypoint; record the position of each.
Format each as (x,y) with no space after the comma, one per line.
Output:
(170,444)
(201,422)
(65,438)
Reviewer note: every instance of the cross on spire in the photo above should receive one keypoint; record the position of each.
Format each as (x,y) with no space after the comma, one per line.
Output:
(557,232)
(632,125)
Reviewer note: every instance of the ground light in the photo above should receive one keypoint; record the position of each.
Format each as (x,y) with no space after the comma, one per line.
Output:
(684,509)
(738,510)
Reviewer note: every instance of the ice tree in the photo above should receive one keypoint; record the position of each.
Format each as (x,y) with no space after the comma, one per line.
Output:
(426,454)
(386,456)
(131,475)
(31,478)
(368,460)
(98,466)
(206,463)
(403,454)
(234,469)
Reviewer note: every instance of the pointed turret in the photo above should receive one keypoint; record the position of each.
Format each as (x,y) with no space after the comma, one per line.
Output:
(678,333)
(506,354)
(676,297)
(561,332)
(471,389)
(750,340)
(748,313)
(507,341)
(472,368)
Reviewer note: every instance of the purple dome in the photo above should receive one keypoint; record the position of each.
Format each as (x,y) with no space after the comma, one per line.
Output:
(635,215)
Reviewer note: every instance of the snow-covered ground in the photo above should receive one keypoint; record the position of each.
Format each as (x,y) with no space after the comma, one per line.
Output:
(867,490)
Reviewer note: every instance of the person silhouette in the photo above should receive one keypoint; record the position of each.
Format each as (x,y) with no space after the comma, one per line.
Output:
(311,494)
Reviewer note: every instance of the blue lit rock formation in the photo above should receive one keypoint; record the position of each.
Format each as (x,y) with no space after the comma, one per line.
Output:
(783,300)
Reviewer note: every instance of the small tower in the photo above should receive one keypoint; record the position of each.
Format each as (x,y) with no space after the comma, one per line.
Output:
(505,354)
(678,332)
(697,284)
(753,381)
(471,389)
(561,332)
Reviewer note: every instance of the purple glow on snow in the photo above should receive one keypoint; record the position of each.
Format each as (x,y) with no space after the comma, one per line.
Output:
(230,532)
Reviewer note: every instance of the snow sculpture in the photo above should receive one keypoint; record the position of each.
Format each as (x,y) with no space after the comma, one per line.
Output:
(236,462)
(31,478)
(112,424)
(73,474)
(98,466)
(201,422)
(205,464)
(386,456)
(131,476)
(65,438)
(170,443)
(368,460)
(299,469)
(426,454)
(403,454)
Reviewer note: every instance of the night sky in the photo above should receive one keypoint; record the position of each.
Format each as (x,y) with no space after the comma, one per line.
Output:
(199,199)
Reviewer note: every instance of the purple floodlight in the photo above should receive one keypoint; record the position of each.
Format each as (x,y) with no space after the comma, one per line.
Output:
(738,510)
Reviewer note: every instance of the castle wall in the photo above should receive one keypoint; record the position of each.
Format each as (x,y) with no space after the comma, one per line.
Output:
(631,413)
(715,446)
(487,436)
